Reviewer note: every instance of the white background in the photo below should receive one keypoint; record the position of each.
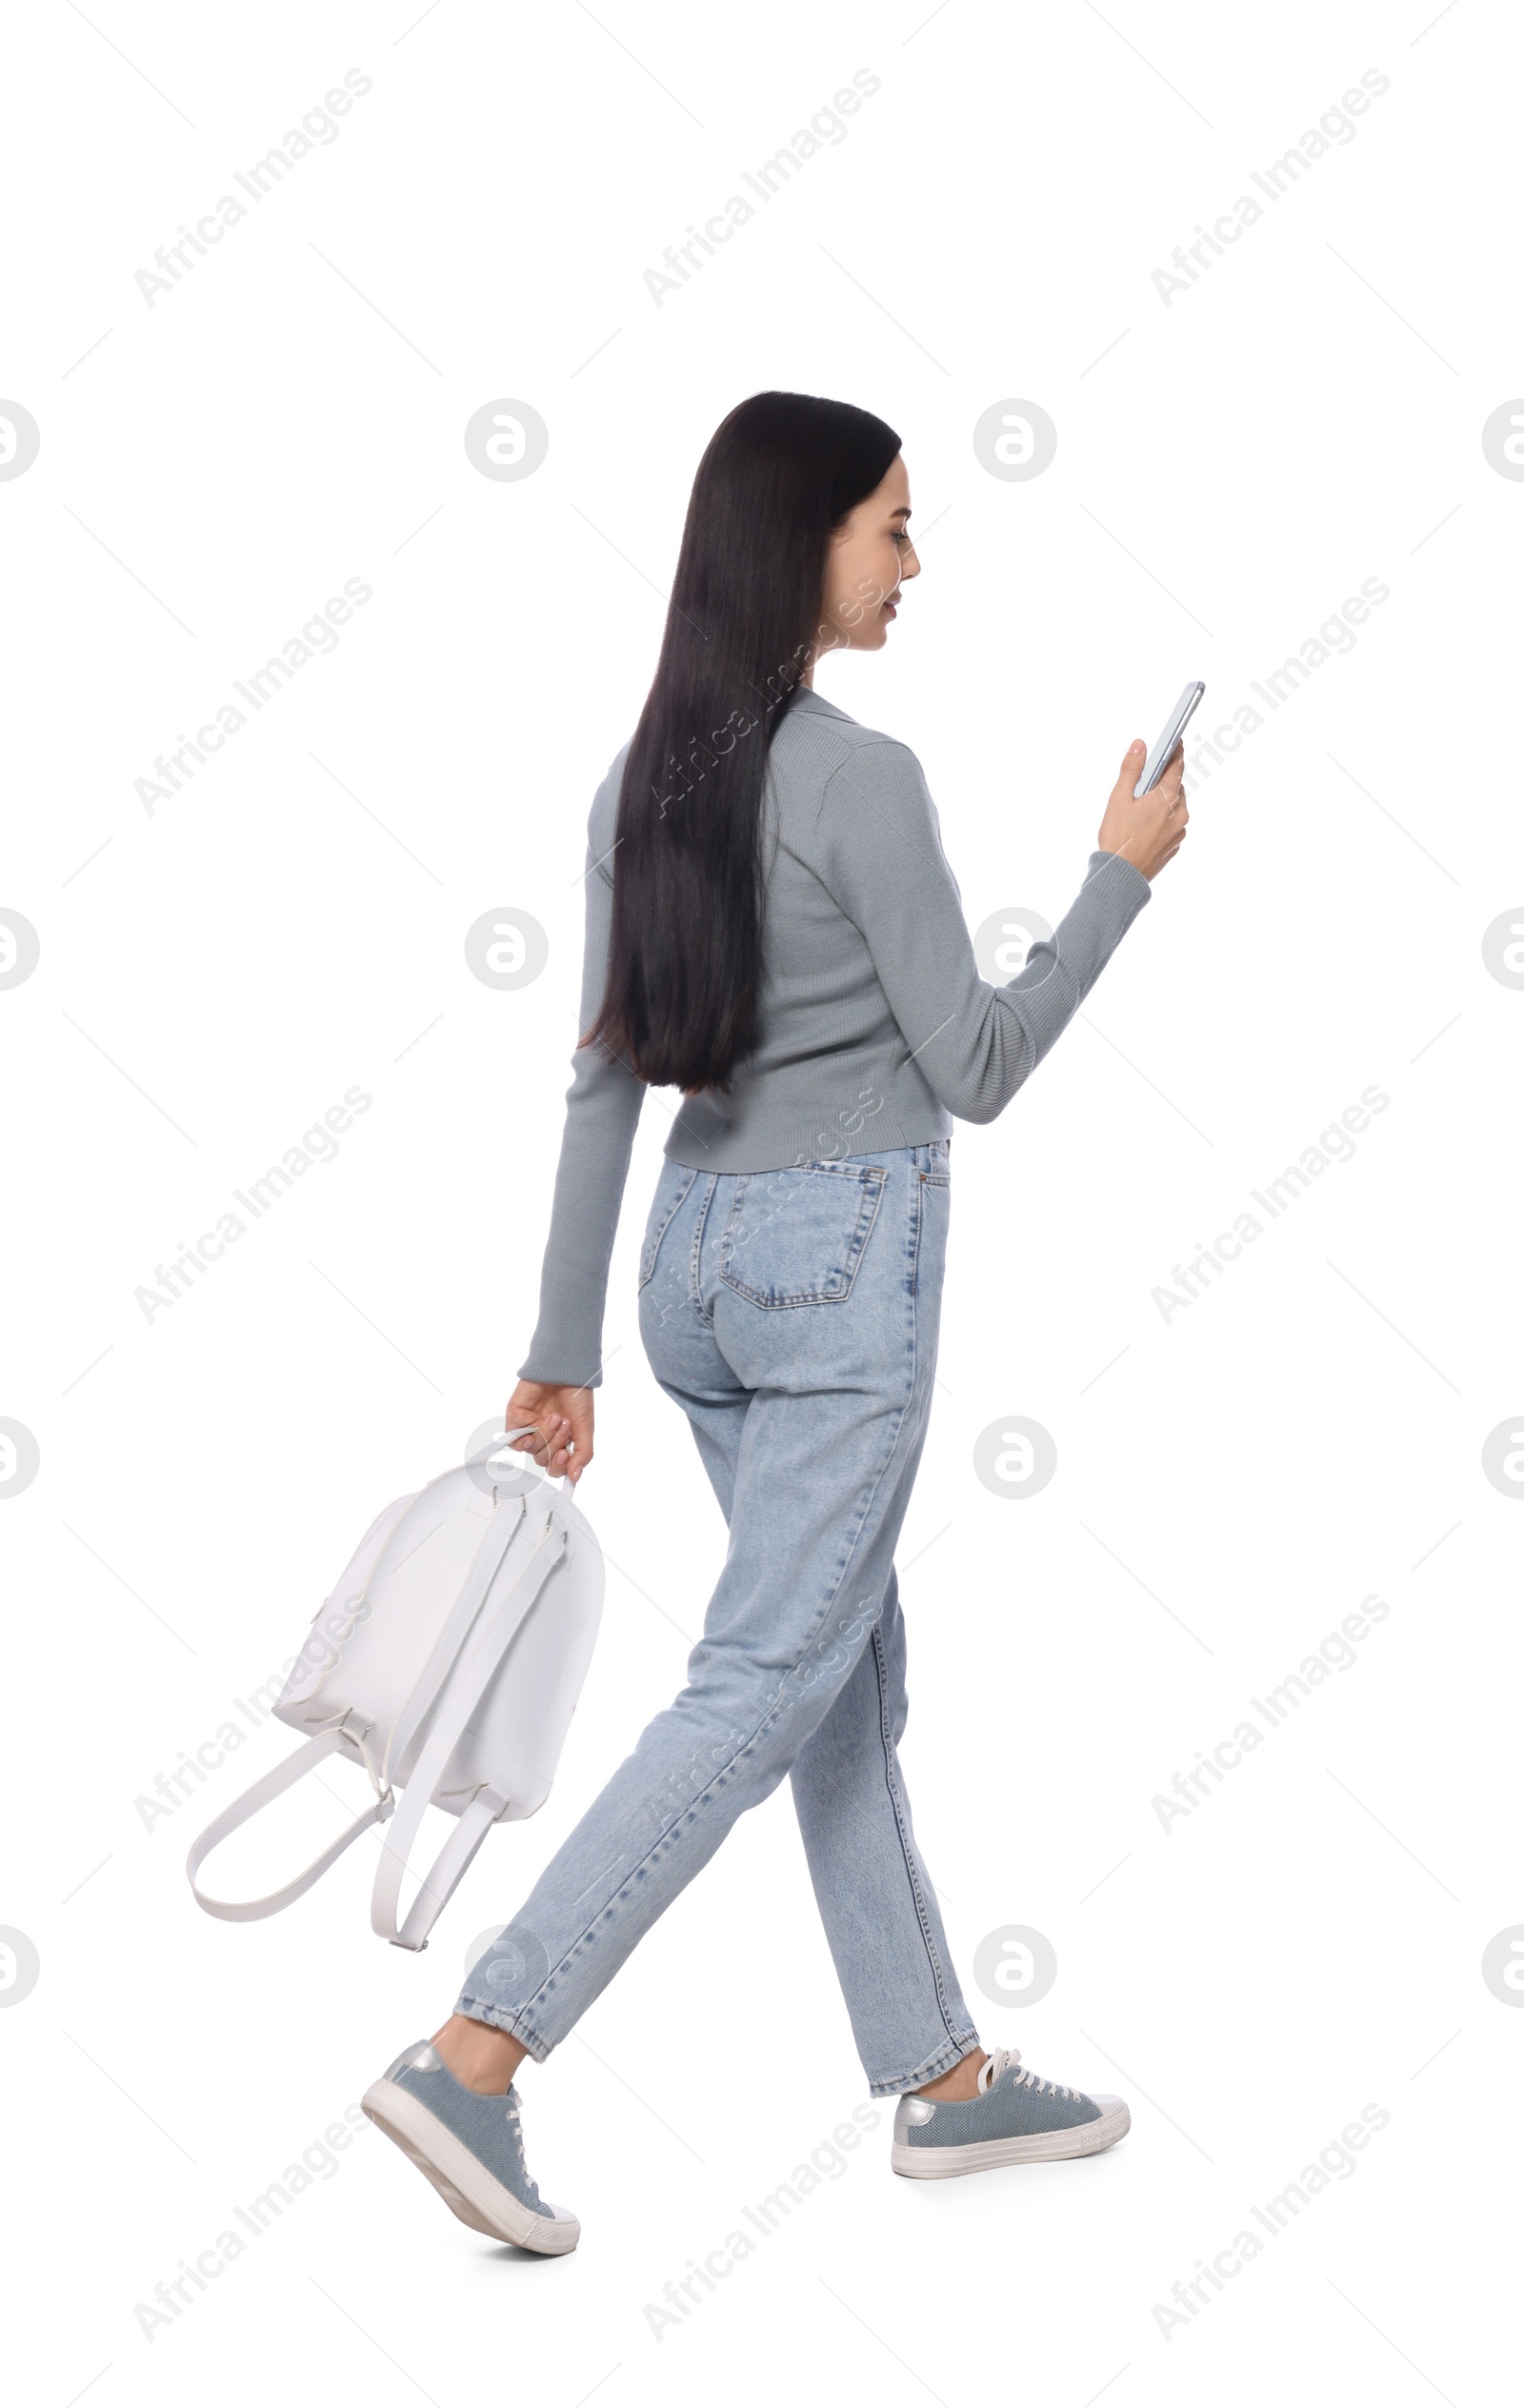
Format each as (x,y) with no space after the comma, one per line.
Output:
(1230,1483)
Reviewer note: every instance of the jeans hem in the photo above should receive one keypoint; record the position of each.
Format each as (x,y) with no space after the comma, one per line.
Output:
(934,2068)
(506,2019)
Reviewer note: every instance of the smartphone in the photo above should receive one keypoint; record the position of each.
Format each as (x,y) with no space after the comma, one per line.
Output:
(1175,727)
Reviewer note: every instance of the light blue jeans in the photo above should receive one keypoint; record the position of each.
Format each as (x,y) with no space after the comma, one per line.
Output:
(793,1315)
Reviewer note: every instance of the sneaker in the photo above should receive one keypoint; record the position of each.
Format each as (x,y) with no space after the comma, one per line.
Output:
(1017,2118)
(470,2146)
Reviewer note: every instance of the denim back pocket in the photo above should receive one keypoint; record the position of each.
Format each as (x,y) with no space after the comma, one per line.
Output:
(798,1235)
(671,1188)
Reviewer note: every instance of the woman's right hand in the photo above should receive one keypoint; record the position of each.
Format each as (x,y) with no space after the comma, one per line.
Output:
(1146,829)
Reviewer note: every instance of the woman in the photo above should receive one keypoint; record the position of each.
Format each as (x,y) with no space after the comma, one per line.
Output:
(773,930)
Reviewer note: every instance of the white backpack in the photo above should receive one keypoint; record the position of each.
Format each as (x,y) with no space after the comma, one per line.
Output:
(447,1661)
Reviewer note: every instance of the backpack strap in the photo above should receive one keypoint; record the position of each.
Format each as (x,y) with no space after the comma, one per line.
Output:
(306,1758)
(460,1697)
(439,1885)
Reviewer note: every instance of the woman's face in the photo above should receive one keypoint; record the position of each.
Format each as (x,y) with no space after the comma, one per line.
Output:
(871,557)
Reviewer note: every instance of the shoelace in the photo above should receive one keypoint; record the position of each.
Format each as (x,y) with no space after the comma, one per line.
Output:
(990,2070)
(511,2102)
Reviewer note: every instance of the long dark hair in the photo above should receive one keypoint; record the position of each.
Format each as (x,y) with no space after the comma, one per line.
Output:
(682,1000)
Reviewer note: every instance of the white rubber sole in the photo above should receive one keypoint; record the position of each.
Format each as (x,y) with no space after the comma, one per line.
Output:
(1033,2148)
(459,2176)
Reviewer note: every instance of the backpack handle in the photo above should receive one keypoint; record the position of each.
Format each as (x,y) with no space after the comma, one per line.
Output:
(482,1459)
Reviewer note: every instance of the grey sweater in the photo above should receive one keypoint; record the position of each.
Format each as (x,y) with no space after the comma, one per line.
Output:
(877,1025)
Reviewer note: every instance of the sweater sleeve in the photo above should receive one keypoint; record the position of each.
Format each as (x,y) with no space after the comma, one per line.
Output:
(881,858)
(602,1109)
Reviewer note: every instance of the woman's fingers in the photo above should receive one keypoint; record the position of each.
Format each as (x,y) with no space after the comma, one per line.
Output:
(555,1447)
(1130,771)
(549,1432)
(1146,829)
(558,1433)
(1169,784)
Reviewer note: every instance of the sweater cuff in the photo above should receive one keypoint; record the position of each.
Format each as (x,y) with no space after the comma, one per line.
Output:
(1109,901)
(1124,879)
(541,1368)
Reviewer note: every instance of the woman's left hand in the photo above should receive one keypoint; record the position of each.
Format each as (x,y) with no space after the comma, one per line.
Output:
(561,1439)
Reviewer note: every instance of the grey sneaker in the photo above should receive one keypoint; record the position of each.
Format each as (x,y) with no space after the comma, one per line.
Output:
(1017,2118)
(470,2146)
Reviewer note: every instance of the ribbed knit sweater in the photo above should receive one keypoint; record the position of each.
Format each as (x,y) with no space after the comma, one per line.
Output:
(878,1029)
